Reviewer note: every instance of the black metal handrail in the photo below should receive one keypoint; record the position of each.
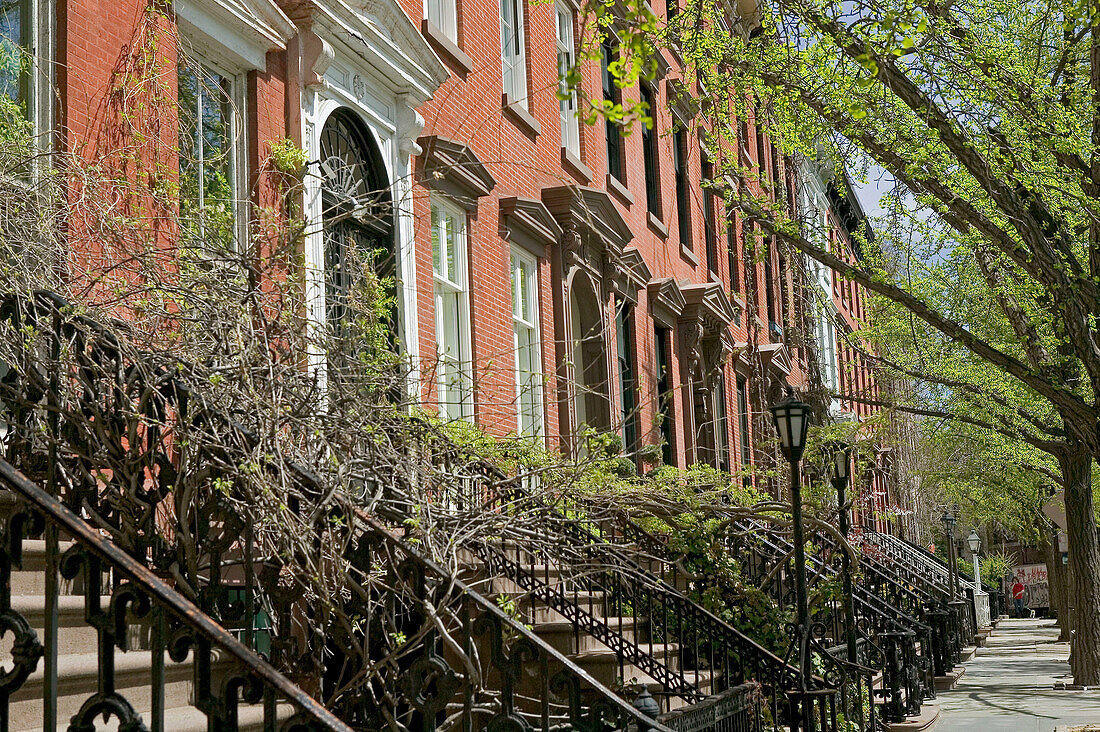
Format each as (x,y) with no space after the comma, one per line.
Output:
(531,652)
(923,551)
(906,672)
(915,564)
(672,615)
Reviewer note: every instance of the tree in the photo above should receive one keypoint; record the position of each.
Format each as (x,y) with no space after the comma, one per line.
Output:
(987,116)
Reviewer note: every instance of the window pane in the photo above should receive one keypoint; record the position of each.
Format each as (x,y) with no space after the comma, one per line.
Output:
(442,15)
(511,49)
(12,56)
(207,176)
(437,242)
(570,126)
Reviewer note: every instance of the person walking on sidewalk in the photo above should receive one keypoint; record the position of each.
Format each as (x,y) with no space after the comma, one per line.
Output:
(1018,596)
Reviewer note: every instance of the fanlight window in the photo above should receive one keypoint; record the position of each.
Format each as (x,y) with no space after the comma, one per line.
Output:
(358,218)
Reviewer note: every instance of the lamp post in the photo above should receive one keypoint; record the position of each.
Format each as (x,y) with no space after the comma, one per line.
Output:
(792,420)
(949,536)
(841,465)
(983,612)
(975,543)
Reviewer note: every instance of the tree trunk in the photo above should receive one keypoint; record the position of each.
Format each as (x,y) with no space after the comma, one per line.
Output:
(1076,465)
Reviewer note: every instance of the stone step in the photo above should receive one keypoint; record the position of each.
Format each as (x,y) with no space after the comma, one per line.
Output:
(603,664)
(30,579)
(189,719)
(74,634)
(560,634)
(701,680)
(78,675)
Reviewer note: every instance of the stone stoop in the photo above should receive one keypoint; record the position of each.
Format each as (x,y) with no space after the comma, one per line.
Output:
(583,649)
(929,715)
(78,660)
(967,653)
(950,680)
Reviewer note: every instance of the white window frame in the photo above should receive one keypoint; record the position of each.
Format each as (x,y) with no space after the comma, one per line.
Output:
(238,137)
(513,65)
(443,14)
(456,364)
(525,334)
(564,19)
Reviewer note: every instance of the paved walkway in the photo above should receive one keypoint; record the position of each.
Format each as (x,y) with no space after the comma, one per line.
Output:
(1008,686)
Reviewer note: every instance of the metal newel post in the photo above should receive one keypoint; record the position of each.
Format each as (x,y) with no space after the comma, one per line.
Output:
(949,537)
(841,466)
(800,557)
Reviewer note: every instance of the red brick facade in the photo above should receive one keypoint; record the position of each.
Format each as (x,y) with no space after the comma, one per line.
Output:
(602,241)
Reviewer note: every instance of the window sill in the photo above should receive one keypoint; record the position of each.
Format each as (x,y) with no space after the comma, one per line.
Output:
(573,164)
(520,115)
(450,50)
(657,225)
(687,254)
(621,191)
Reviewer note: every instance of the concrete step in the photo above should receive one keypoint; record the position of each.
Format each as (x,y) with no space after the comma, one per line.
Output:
(560,634)
(74,634)
(78,675)
(189,719)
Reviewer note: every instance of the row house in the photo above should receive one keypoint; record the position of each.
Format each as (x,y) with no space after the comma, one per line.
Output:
(579,275)
(551,275)
(835,218)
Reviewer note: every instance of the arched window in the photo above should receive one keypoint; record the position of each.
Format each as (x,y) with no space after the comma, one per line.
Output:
(358,217)
(591,395)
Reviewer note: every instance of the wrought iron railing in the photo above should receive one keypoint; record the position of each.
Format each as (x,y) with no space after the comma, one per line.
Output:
(598,578)
(733,710)
(893,647)
(917,571)
(119,590)
(125,458)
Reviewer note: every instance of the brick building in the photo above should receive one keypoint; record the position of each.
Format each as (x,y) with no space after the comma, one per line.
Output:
(550,273)
(834,216)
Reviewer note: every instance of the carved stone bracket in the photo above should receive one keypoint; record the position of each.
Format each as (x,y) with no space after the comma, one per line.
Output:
(317,56)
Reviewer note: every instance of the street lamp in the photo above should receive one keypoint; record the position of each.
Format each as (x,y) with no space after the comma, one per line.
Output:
(842,463)
(792,421)
(975,543)
(949,536)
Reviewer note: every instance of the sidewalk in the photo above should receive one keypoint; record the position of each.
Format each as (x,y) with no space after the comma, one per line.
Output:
(1008,686)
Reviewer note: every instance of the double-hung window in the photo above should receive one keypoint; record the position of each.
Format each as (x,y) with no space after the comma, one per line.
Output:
(649,154)
(721,424)
(743,422)
(612,96)
(15,65)
(209,157)
(526,342)
(661,344)
(624,342)
(683,212)
(452,310)
(567,96)
(442,14)
(709,234)
(513,62)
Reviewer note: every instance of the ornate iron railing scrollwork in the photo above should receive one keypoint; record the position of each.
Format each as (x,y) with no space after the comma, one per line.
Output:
(93,553)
